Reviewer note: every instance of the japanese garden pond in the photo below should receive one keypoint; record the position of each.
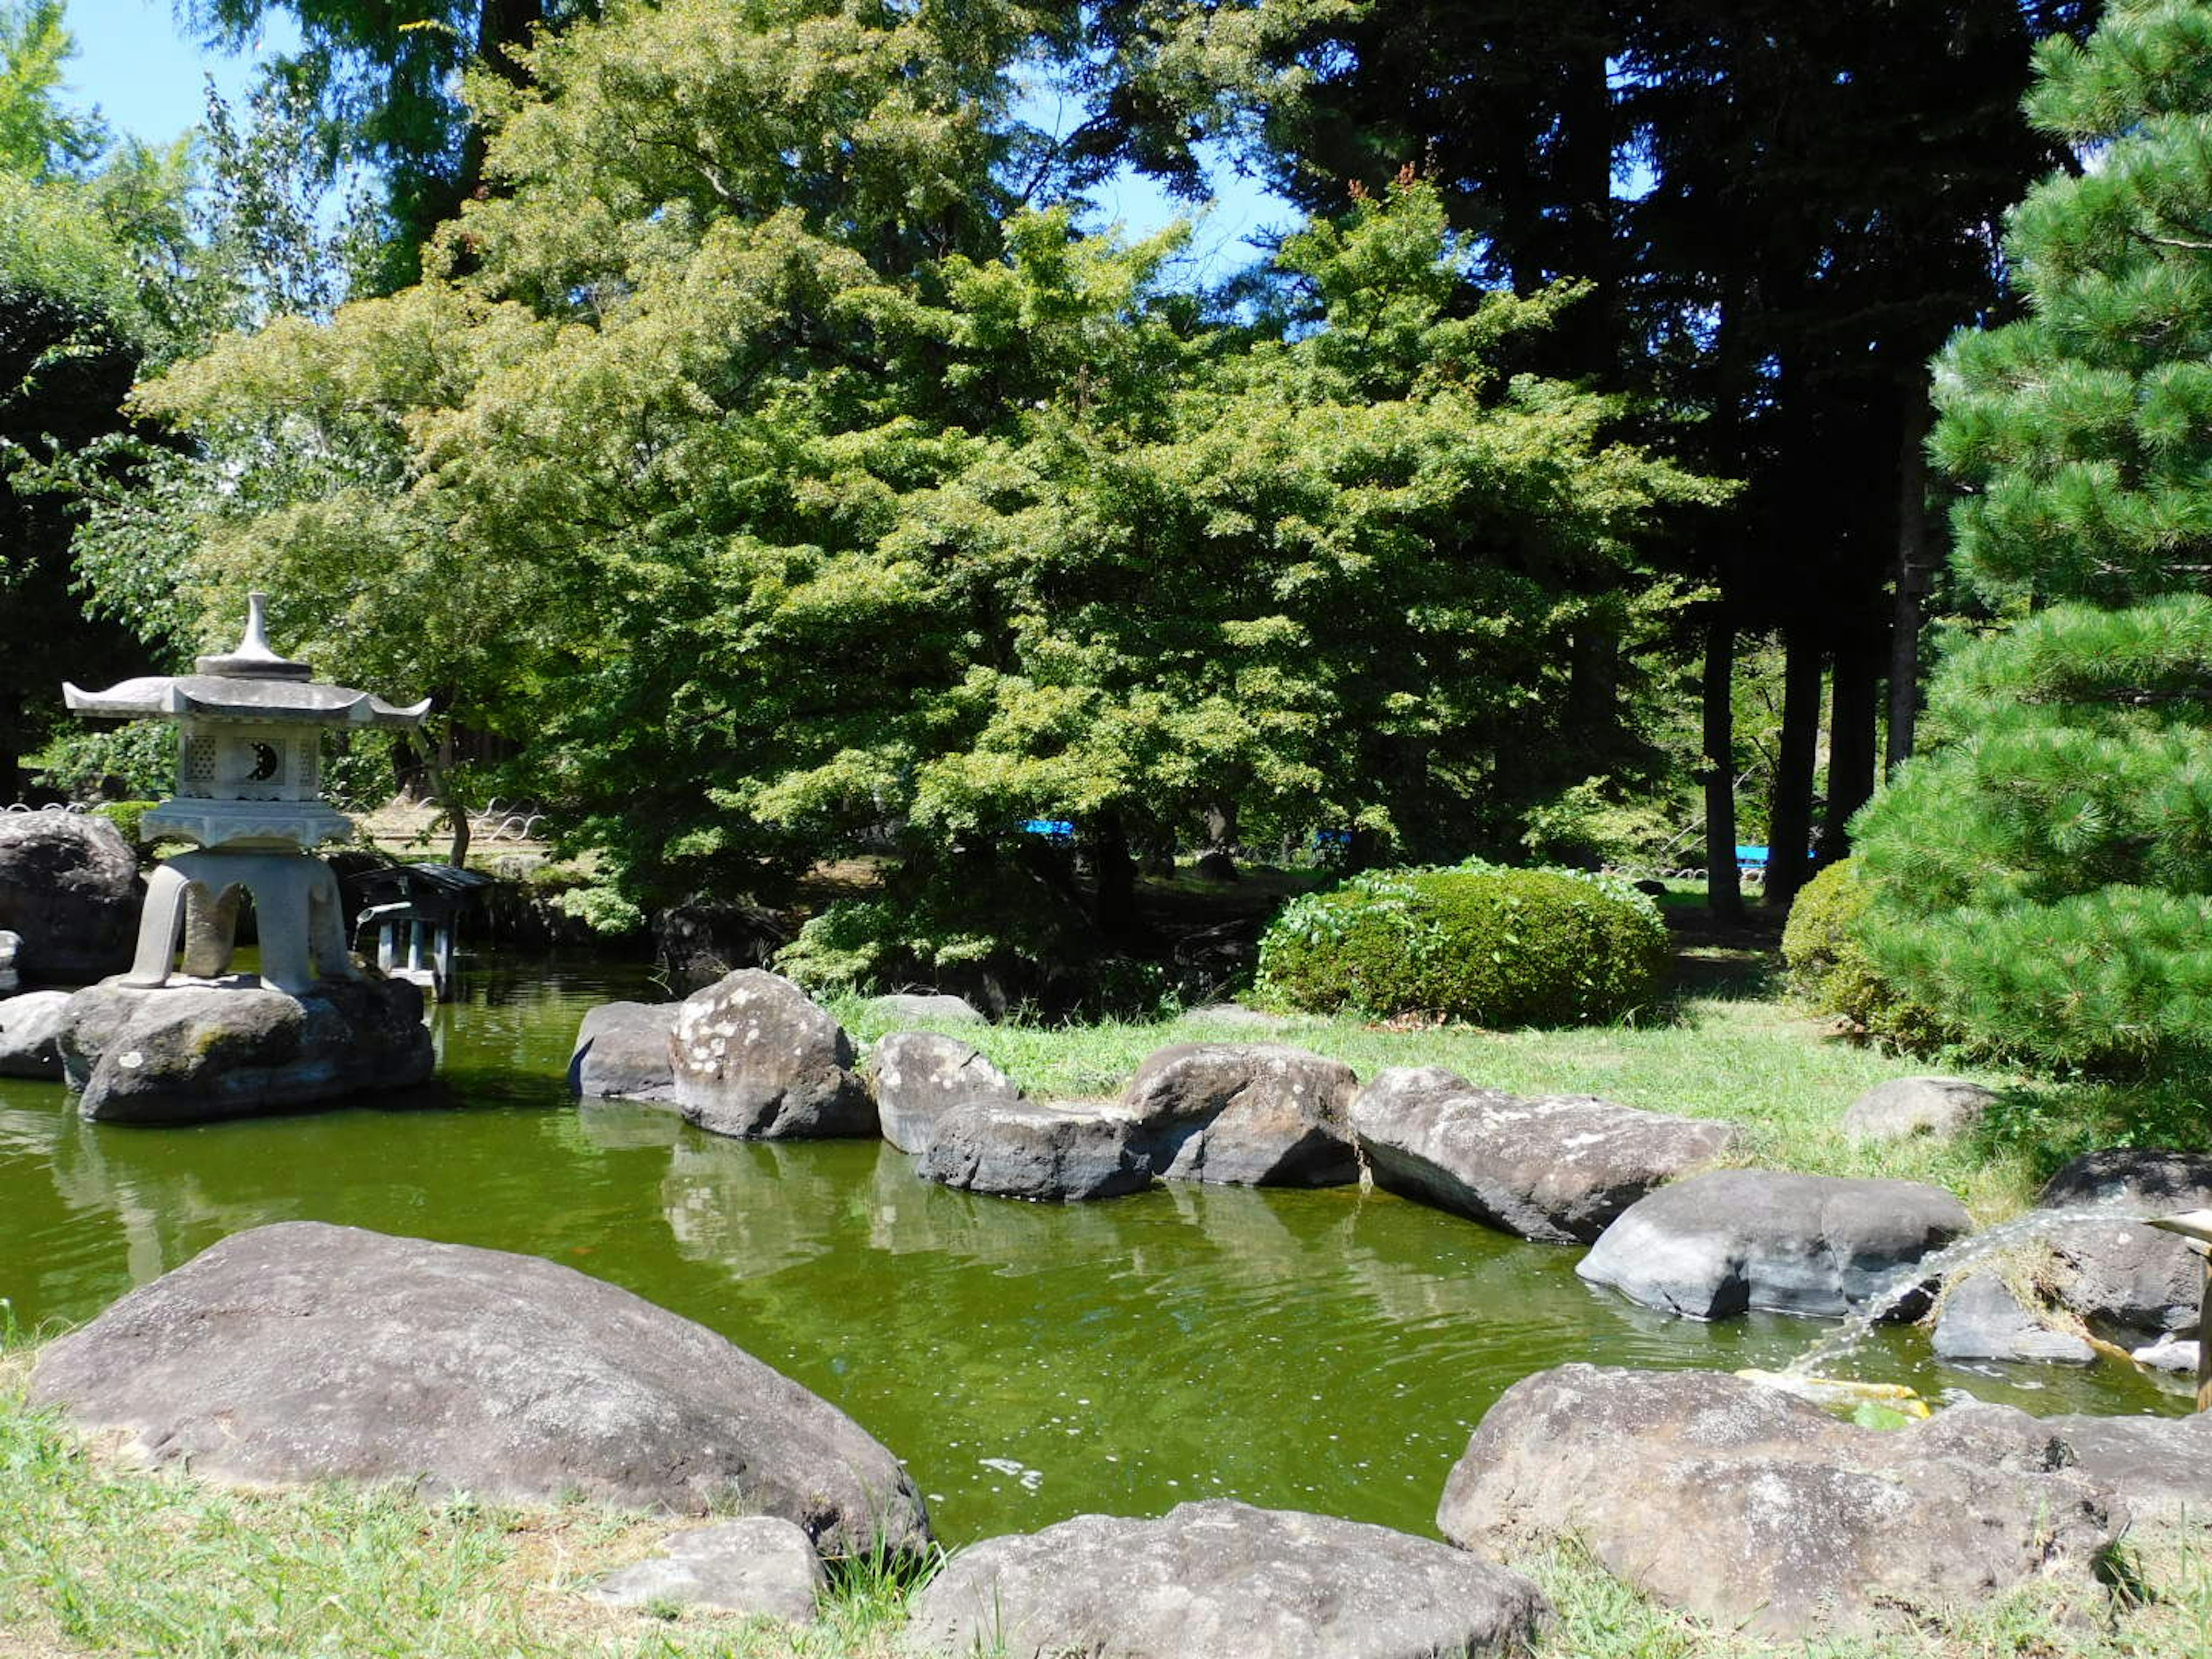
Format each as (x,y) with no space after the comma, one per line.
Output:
(1326,1350)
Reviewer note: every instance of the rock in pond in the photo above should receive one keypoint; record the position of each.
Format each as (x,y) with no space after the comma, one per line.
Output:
(1980,1318)
(11,945)
(1255,1115)
(1558,1168)
(1907,1106)
(196,1050)
(939,1006)
(304,1351)
(755,1057)
(70,887)
(1223,1580)
(1033,1149)
(31,1034)
(761,1564)
(621,1053)
(1716,1245)
(2134,1283)
(1740,1504)
(919,1076)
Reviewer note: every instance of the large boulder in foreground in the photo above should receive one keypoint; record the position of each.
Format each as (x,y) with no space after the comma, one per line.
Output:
(303,1352)
(621,1053)
(1716,1245)
(70,886)
(2160,1467)
(754,1056)
(1743,1504)
(2133,1283)
(919,1076)
(1222,1580)
(1556,1168)
(194,1051)
(1032,1150)
(1245,1113)
(31,1034)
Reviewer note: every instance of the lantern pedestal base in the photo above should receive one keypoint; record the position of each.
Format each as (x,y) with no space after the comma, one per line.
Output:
(195,895)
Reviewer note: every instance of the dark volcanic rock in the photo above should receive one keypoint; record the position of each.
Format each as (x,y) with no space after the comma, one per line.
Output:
(1908,1106)
(1222,1580)
(761,1566)
(621,1053)
(919,1076)
(754,1057)
(1743,1504)
(1024,1149)
(30,1034)
(192,1051)
(1716,1245)
(303,1352)
(1558,1168)
(1249,1113)
(2129,1280)
(70,886)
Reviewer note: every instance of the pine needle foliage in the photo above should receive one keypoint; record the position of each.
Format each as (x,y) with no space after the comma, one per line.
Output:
(2043,875)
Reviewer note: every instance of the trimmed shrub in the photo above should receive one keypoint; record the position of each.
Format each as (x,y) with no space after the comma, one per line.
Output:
(1476,942)
(1831,972)
(124,815)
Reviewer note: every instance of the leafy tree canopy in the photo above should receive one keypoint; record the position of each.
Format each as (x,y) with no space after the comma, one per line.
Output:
(756,461)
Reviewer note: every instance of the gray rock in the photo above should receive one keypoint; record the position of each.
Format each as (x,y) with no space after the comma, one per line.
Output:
(621,1053)
(1222,1580)
(1980,1318)
(1907,1106)
(2160,1466)
(761,1565)
(193,1051)
(1716,1245)
(1743,1504)
(933,1006)
(919,1076)
(70,887)
(303,1352)
(753,1057)
(2130,1281)
(1558,1168)
(31,1033)
(10,945)
(1246,1113)
(1027,1148)
(2170,1354)
(1216,865)
(1235,1013)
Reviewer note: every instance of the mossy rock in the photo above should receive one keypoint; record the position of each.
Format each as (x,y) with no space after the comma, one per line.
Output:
(1478,943)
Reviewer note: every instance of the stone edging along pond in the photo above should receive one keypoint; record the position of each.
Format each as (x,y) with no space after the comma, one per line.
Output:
(301,1351)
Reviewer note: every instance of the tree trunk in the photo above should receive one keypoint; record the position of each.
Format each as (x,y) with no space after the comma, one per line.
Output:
(1854,715)
(1906,617)
(1723,890)
(1789,817)
(1115,909)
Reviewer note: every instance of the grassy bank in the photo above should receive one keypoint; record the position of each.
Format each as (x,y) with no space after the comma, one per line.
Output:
(98,1558)
(1750,1059)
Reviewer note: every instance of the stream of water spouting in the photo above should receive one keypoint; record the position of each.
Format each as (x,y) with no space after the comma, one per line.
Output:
(1939,1265)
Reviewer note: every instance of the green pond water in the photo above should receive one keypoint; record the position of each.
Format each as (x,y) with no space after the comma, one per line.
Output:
(1325,1351)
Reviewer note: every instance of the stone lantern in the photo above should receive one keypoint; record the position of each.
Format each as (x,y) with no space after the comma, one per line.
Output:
(249,796)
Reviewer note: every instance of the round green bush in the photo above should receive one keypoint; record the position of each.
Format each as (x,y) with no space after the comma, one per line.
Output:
(1476,942)
(1830,969)
(125,814)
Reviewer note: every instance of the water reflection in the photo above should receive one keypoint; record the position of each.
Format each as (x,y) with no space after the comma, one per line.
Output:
(1327,1350)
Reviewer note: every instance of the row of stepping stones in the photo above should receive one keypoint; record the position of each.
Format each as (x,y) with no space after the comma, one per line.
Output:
(752,1055)
(303,1352)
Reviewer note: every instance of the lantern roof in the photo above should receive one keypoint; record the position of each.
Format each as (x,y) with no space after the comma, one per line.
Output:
(249,682)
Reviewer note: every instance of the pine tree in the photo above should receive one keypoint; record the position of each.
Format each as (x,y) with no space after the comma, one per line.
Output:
(2044,876)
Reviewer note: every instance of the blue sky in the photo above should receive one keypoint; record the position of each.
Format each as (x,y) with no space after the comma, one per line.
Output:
(149,81)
